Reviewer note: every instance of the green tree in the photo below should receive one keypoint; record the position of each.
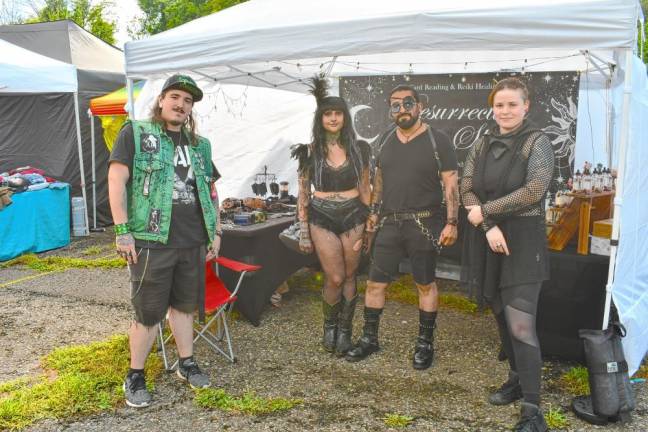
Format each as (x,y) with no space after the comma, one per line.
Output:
(644,7)
(92,17)
(161,15)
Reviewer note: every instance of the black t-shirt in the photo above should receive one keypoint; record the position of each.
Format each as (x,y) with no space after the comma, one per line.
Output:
(410,172)
(187,228)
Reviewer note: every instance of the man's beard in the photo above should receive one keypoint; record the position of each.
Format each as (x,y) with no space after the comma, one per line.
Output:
(406,121)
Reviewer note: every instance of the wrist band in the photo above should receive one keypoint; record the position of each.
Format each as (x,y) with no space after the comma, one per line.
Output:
(121,229)
(374,208)
(219,233)
(451,221)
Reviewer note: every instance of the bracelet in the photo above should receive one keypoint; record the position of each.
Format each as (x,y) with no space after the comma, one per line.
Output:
(374,208)
(121,229)
(219,233)
(451,221)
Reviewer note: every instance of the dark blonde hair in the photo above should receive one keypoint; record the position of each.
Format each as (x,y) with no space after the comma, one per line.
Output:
(511,83)
(156,117)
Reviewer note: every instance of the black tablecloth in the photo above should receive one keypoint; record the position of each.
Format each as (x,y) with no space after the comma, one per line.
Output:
(572,299)
(259,244)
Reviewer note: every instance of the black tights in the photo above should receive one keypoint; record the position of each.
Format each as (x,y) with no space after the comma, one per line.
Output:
(515,311)
(339,261)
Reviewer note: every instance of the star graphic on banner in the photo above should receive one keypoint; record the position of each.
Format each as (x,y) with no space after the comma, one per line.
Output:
(369,88)
(560,179)
(547,78)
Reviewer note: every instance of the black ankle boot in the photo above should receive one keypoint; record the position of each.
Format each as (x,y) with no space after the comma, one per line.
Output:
(508,392)
(531,419)
(331,313)
(345,327)
(424,348)
(368,342)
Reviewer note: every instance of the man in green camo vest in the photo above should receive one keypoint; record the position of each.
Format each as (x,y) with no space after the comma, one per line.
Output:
(165,208)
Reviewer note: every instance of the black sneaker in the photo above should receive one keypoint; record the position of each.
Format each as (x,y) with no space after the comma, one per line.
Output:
(137,396)
(189,371)
(508,392)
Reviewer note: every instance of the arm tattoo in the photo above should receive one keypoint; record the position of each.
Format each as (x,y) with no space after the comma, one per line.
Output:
(377,190)
(304,198)
(451,193)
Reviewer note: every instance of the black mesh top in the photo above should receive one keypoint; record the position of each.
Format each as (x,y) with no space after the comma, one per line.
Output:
(523,199)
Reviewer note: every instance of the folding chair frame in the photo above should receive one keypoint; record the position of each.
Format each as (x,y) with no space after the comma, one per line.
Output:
(219,318)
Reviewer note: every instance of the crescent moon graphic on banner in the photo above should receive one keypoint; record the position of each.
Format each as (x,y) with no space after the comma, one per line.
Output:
(355,110)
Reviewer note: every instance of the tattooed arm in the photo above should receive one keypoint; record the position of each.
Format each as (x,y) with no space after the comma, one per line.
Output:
(365,187)
(214,247)
(451,189)
(118,175)
(303,200)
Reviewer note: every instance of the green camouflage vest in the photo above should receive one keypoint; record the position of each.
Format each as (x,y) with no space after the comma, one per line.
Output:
(150,194)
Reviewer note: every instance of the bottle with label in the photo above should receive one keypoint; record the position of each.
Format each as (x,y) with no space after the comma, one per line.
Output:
(578,181)
(587,180)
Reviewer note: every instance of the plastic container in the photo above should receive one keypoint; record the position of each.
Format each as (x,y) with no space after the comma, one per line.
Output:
(79,227)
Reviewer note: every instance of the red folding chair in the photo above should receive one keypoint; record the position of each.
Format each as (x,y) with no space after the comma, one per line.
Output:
(219,302)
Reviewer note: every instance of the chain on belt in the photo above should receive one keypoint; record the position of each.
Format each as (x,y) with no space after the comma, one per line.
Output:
(417,219)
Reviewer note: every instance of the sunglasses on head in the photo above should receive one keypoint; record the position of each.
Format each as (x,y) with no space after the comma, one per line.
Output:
(408,104)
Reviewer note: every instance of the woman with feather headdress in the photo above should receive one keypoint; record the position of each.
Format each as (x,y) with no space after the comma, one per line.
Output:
(332,209)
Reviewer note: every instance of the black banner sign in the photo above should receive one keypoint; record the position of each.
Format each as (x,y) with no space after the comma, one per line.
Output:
(457,105)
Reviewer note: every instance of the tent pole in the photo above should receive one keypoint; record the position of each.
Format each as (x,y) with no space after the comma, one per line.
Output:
(94,181)
(618,198)
(78,131)
(131,98)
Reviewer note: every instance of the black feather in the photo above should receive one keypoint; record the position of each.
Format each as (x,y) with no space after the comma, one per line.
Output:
(301,152)
(318,88)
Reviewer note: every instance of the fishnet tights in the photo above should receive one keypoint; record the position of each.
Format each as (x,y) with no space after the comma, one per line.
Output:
(338,260)
(515,313)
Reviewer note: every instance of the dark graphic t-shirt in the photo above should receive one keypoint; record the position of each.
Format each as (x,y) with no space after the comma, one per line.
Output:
(187,228)
(410,172)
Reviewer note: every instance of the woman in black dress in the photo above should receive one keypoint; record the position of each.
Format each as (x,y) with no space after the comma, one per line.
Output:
(332,209)
(505,179)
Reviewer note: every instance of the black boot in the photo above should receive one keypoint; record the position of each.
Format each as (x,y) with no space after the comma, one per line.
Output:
(508,392)
(424,348)
(368,342)
(531,419)
(345,327)
(331,313)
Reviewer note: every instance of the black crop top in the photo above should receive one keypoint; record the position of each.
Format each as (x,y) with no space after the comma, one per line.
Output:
(342,178)
(339,179)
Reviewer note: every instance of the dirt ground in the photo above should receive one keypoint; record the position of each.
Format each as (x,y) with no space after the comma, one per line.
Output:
(281,358)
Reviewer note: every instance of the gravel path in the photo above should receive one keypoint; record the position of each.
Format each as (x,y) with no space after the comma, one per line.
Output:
(281,358)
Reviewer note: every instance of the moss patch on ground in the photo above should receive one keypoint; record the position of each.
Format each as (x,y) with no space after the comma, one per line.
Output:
(249,403)
(56,263)
(78,380)
(401,290)
(397,420)
(642,372)
(555,418)
(575,381)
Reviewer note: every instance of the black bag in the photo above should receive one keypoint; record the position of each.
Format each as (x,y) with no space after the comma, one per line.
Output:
(611,393)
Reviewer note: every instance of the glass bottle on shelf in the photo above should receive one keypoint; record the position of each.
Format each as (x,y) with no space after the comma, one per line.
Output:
(587,180)
(578,181)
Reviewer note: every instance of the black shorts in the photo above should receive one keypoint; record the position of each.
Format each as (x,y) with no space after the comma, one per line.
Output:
(397,239)
(337,216)
(166,277)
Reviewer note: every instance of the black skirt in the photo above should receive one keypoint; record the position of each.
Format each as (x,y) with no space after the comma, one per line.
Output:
(484,272)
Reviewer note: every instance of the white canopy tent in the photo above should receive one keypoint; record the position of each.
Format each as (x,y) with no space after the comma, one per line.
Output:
(278,43)
(25,72)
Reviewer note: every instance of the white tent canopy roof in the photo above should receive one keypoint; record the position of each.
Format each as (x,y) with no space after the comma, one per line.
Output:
(292,39)
(23,71)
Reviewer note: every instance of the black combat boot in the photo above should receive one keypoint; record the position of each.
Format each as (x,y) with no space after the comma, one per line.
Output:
(424,348)
(331,313)
(508,392)
(345,326)
(531,419)
(368,342)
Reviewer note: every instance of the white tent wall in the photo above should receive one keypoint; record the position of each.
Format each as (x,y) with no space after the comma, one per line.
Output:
(630,288)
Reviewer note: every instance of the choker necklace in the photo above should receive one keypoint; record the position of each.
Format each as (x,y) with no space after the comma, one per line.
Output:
(332,138)
(407,137)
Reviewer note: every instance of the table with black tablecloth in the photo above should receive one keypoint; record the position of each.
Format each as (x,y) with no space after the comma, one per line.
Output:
(572,299)
(259,244)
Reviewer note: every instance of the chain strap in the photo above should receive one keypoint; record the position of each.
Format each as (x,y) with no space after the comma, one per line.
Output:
(424,230)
